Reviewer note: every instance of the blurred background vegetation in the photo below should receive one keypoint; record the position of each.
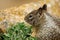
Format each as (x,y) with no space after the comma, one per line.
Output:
(12,3)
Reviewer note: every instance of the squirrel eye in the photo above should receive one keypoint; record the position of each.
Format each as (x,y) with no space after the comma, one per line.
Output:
(30,16)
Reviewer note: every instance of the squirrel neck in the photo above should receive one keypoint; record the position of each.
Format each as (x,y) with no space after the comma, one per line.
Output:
(47,21)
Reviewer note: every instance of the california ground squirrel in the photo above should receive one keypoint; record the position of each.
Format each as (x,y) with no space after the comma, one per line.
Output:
(46,26)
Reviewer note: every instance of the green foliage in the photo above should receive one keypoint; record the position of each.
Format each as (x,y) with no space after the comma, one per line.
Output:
(19,32)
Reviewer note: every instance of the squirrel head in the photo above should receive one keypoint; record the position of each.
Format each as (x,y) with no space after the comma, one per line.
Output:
(34,17)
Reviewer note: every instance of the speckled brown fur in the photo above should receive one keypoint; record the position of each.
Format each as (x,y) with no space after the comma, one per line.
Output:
(46,26)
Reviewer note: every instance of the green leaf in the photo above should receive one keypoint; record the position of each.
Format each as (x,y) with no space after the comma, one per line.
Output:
(19,31)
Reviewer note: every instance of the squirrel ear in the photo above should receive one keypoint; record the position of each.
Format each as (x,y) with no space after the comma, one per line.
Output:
(40,9)
(44,7)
